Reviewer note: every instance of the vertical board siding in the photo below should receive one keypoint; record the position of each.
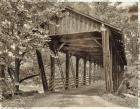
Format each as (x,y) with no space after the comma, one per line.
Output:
(60,26)
(90,25)
(82,26)
(71,24)
(74,23)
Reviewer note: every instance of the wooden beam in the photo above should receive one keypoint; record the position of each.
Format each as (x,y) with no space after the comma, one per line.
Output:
(77,71)
(78,40)
(82,49)
(82,42)
(97,43)
(111,60)
(90,46)
(113,69)
(107,58)
(95,34)
(67,70)
(42,71)
(93,71)
(88,55)
(52,76)
(90,69)
(91,54)
(115,75)
(84,75)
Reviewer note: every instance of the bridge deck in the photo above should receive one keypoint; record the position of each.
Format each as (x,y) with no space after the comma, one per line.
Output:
(88,96)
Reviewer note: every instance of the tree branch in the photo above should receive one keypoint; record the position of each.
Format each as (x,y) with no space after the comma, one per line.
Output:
(28,77)
(22,55)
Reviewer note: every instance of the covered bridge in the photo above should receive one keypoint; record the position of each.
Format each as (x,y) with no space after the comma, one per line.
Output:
(91,39)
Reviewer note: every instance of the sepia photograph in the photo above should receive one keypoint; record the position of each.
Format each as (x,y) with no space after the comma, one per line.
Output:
(66,53)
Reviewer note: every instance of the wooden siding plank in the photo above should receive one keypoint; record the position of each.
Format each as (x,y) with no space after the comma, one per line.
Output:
(75,24)
(70,23)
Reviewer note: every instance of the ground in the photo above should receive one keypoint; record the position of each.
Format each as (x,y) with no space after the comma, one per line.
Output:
(92,95)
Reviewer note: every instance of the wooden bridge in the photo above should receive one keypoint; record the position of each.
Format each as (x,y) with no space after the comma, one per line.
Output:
(90,39)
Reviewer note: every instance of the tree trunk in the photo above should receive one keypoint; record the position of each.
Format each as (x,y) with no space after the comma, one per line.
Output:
(17,68)
(2,76)
(42,71)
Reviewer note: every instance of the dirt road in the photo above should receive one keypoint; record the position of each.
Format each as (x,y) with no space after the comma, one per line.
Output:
(85,96)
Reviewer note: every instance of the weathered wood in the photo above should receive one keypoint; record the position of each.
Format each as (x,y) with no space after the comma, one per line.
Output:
(113,69)
(82,49)
(84,53)
(90,69)
(84,75)
(111,60)
(119,75)
(96,21)
(77,23)
(70,18)
(117,71)
(115,75)
(52,76)
(83,46)
(82,42)
(42,71)
(80,39)
(107,59)
(65,25)
(77,35)
(120,62)
(83,25)
(67,70)
(77,71)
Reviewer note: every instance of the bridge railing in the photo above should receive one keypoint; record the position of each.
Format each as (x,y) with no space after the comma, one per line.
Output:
(59,85)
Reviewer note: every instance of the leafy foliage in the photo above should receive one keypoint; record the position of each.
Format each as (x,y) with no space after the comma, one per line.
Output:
(25,25)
